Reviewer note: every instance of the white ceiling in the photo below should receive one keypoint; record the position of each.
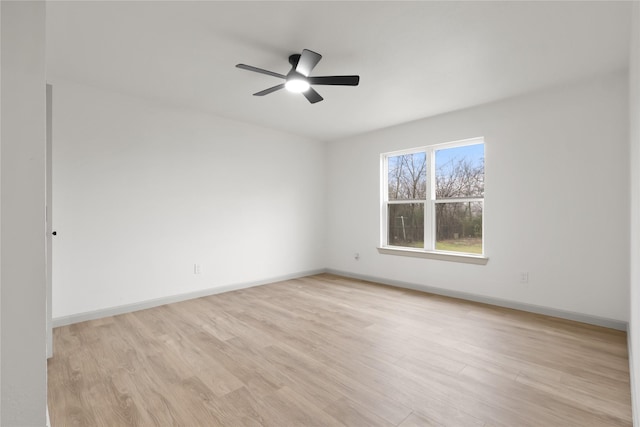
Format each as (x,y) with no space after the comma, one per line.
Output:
(415,59)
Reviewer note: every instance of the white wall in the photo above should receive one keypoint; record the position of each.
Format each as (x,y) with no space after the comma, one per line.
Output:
(22,233)
(143,192)
(557,205)
(634,114)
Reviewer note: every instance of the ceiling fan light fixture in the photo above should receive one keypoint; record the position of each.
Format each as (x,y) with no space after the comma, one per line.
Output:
(297,85)
(298,79)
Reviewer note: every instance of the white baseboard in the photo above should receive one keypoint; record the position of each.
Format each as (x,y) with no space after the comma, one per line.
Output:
(569,315)
(142,305)
(128,308)
(635,399)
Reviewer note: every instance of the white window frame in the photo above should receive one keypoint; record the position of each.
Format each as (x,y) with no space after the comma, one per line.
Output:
(430,202)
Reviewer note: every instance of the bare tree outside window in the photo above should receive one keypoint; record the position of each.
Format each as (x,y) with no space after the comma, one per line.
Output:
(407,180)
(408,177)
(459,179)
(454,209)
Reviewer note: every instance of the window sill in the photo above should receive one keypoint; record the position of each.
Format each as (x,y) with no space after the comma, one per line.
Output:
(442,256)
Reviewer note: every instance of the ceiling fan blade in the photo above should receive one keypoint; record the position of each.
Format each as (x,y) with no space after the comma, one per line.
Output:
(312,95)
(335,80)
(268,91)
(308,60)
(260,70)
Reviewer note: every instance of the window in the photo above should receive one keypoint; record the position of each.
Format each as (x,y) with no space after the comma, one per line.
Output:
(433,198)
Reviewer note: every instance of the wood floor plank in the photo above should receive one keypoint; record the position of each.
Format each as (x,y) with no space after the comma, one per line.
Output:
(351,413)
(328,351)
(415,420)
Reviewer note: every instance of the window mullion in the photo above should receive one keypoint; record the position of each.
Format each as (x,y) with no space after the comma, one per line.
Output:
(429,208)
(384,209)
(405,202)
(459,200)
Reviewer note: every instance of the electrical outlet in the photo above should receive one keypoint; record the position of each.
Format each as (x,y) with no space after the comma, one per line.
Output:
(524,277)
(197,269)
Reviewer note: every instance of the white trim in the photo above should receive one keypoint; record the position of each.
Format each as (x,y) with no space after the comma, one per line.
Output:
(458,143)
(459,200)
(49,216)
(531,308)
(439,255)
(632,379)
(429,219)
(142,305)
(406,201)
(429,203)
(384,195)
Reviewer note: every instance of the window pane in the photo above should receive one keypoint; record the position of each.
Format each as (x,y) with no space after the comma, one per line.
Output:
(460,172)
(407,177)
(459,227)
(406,225)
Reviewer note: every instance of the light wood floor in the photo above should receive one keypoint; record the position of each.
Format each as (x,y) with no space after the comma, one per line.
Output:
(329,351)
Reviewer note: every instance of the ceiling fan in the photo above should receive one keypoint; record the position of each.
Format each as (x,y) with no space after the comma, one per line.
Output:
(298,79)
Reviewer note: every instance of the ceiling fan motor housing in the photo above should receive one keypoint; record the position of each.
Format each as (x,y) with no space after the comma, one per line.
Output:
(293,59)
